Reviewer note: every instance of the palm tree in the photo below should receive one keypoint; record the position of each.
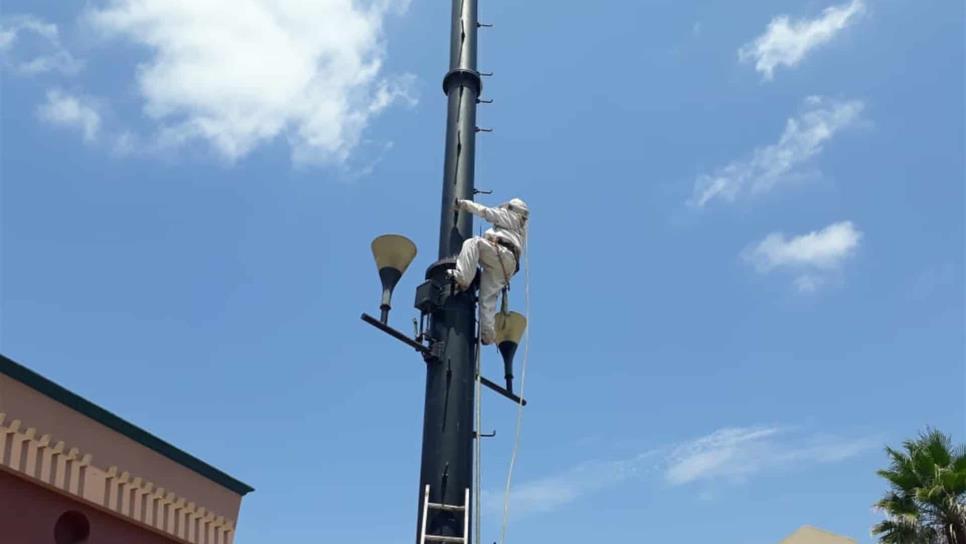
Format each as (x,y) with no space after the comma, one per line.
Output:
(926,503)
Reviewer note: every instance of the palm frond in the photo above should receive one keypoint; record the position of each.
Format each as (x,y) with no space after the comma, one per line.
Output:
(899,531)
(938,446)
(902,480)
(958,463)
(895,504)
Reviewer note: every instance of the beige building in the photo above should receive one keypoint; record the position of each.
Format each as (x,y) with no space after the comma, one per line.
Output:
(811,535)
(73,473)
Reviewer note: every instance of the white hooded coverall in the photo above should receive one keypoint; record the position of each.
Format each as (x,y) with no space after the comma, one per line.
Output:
(490,252)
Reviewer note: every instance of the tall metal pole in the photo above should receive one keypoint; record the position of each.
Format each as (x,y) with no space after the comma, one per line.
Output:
(448,434)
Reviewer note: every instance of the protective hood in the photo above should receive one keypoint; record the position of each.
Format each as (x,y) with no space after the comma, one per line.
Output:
(518,206)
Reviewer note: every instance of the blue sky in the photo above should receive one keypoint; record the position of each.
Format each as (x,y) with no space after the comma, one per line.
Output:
(747,248)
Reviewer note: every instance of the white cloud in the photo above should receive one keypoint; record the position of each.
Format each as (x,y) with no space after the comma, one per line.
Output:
(240,73)
(553,492)
(729,454)
(22,33)
(822,249)
(787,42)
(812,256)
(71,111)
(717,452)
(803,139)
(736,454)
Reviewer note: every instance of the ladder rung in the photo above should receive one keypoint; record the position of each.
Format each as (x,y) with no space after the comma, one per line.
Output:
(453,539)
(451,508)
(427,506)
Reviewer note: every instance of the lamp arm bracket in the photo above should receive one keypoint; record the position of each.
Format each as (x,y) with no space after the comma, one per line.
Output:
(435,352)
(396,334)
(502,391)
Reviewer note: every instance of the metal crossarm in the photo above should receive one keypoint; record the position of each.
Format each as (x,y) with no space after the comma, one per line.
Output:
(502,391)
(395,334)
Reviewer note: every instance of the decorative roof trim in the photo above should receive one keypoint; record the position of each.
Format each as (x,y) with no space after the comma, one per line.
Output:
(77,403)
(56,466)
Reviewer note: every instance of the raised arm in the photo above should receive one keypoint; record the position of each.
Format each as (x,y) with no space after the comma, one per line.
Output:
(496,216)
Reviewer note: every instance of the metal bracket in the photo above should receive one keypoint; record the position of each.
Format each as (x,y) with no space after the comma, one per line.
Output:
(478,129)
(435,352)
(486,74)
(481,192)
(396,334)
(482,101)
(502,391)
(483,25)
(476,434)
(462,76)
(431,354)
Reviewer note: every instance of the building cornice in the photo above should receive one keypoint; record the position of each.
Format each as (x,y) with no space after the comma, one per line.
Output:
(28,453)
(79,404)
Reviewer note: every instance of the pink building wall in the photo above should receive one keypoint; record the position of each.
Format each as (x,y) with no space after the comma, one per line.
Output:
(61,453)
(30,512)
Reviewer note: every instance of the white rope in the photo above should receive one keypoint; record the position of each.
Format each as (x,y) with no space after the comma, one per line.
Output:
(478,444)
(523,383)
(477,449)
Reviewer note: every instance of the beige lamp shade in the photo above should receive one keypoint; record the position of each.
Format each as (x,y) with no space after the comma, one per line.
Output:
(509,331)
(393,255)
(510,327)
(393,251)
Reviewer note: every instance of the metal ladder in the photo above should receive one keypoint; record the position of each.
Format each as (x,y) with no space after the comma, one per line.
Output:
(465,509)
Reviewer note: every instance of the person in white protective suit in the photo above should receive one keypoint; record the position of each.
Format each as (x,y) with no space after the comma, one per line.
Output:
(497,252)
